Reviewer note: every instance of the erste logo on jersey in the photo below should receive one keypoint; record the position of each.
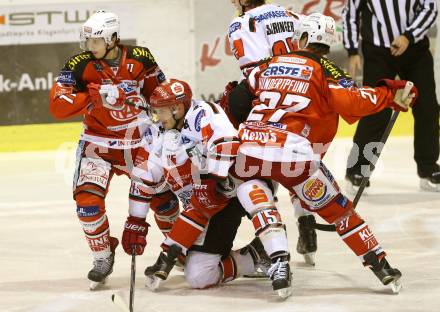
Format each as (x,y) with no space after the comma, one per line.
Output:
(302,72)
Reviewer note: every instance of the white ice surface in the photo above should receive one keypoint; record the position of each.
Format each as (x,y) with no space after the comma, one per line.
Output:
(44,258)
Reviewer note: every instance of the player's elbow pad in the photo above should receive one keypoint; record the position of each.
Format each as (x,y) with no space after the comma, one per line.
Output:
(240,102)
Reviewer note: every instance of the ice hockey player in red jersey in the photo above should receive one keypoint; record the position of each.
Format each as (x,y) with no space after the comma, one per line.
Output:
(295,101)
(108,84)
(261,31)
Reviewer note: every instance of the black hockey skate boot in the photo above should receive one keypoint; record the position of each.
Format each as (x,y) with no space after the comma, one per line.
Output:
(354,181)
(431,183)
(165,263)
(384,272)
(261,260)
(279,273)
(102,268)
(307,244)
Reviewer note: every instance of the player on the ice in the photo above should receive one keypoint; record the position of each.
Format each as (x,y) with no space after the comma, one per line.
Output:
(295,101)
(108,83)
(261,31)
(196,150)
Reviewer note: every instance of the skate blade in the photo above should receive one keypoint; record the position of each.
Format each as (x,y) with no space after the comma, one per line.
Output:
(153,282)
(284,293)
(256,275)
(120,303)
(396,286)
(309,258)
(96,285)
(426,185)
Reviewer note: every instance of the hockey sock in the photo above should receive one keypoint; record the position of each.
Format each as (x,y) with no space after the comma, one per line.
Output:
(244,262)
(229,269)
(91,214)
(358,236)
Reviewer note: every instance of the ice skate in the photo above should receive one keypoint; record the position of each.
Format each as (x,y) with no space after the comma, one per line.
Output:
(261,260)
(162,268)
(280,275)
(353,182)
(384,272)
(102,268)
(431,183)
(307,244)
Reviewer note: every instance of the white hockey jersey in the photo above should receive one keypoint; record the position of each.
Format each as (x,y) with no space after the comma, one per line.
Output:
(262,32)
(207,144)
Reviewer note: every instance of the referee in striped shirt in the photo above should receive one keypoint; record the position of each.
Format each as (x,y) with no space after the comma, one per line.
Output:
(394,42)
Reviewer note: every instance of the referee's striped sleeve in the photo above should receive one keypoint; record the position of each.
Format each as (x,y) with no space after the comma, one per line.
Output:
(350,23)
(422,21)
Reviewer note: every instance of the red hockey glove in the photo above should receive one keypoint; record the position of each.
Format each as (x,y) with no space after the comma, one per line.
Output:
(402,100)
(224,102)
(207,198)
(135,233)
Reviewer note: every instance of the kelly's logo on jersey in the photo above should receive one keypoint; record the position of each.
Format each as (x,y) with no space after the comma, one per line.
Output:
(302,72)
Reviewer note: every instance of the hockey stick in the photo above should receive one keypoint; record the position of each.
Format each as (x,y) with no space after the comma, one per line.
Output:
(365,179)
(117,299)
(132,278)
(129,103)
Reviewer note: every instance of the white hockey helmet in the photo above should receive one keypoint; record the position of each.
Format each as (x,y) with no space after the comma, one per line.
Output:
(319,28)
(101,24)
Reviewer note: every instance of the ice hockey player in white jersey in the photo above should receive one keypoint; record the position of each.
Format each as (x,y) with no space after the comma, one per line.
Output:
(261,31)
(205,230)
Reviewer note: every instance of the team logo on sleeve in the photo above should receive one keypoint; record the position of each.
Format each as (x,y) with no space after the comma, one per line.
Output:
(66,77)
(346,83)
(234,27)
(198,120)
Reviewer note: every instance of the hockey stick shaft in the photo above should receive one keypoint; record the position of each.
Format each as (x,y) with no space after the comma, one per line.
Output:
(137,106)
(132,278)
(383,140)
(365,179)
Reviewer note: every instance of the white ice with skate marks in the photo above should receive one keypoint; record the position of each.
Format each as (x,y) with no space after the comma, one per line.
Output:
(44,258)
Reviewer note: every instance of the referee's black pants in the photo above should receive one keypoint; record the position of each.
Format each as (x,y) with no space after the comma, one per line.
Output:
(415,64)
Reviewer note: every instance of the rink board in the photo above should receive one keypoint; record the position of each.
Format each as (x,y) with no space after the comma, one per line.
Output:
(51,136)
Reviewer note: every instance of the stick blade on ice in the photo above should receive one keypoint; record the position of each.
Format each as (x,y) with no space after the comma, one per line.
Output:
(120,303)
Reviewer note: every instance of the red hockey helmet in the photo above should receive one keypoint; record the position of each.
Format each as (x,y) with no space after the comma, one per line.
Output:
(170,93)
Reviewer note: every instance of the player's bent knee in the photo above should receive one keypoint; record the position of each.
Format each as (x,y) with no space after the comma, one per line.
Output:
(319,193)
(91,212)
(202,270)
(254,196)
